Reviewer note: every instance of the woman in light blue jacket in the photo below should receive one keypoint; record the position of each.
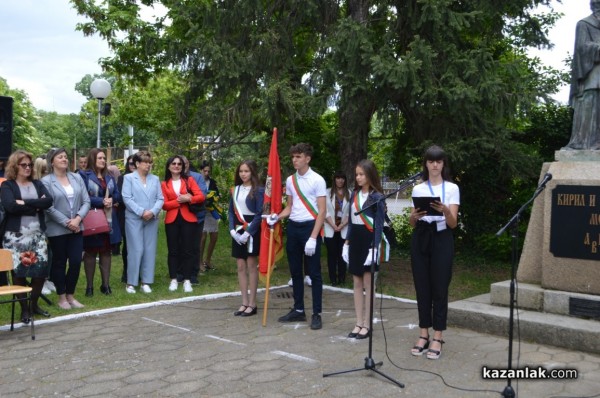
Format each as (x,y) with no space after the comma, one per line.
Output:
(143,201)
(63,225)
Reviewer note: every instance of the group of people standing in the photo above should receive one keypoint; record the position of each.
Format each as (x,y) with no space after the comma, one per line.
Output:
(45,208)
(351,222)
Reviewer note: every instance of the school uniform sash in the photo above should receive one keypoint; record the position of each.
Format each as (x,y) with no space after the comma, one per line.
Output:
(384,245)
(238,214)
(304,200)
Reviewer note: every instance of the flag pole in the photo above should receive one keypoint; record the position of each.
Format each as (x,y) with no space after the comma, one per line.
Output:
(264,320)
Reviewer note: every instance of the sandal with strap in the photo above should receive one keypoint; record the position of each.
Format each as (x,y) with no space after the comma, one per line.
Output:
(418,350)
(353,334)
(435,354)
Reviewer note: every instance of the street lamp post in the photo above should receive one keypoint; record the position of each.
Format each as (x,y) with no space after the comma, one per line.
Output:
(100,88)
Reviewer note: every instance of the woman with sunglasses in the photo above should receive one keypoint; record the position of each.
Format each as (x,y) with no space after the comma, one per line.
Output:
(24,200)
(179,191)
(71,203)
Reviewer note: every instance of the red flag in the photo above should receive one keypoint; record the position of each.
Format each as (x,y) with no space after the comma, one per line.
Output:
(272,204)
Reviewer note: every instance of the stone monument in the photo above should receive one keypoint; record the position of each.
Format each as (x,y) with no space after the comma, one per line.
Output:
(559,269)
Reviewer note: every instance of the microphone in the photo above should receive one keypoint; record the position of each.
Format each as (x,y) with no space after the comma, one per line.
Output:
(415,177)
(547,178)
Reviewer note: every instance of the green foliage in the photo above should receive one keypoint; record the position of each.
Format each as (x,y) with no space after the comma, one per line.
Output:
(401,225)
(25,135)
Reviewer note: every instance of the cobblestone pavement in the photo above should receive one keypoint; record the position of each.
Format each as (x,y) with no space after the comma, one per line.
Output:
(196,347)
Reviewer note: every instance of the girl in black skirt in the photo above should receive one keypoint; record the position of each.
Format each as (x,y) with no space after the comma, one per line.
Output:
(245,210)
(363,241)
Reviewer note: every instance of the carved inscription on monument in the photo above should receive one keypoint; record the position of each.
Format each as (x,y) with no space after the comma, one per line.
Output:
(575,222)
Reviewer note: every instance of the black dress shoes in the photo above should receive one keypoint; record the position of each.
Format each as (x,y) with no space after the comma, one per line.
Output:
(39,311)
(106,290)
(89,291)
(246,313)
(240,312)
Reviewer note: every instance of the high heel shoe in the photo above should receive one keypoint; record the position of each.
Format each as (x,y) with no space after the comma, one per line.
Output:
(252,312)
(353,334)
(361,336)
(418,350)
(239,312)
(106,290)
(89,292)
(435,354)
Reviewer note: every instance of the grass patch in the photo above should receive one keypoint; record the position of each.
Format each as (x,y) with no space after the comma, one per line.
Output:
(472,276)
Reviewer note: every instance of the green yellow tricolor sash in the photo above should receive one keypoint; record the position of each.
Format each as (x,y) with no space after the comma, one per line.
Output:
(236,210)
(384,255)
(311,209)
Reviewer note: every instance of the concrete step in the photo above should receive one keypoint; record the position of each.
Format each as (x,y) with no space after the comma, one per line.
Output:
(477,313)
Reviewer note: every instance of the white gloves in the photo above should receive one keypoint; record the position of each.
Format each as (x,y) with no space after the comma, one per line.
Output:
(310,247)
(373,255)
(243,238)
(235,236)
(272,219)
(345,253)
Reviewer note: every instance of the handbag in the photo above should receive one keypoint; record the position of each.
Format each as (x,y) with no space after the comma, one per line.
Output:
(95,222)
(194,207)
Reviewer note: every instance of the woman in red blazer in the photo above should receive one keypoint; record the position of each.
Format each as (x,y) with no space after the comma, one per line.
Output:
(179,191)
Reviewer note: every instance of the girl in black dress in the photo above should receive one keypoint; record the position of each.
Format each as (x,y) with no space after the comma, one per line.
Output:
(362,245)
(245,210)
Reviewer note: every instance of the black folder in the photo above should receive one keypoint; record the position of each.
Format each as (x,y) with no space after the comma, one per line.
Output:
(423,203)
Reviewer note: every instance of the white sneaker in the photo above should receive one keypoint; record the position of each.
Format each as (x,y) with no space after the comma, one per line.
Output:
(307,280)
(130,289)
(45,290)
(50,286)
(146,289)
(173,285)
(187,286)
(290,282)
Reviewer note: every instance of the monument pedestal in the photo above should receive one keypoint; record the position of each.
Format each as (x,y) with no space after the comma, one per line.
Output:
(558,277)
(538,265)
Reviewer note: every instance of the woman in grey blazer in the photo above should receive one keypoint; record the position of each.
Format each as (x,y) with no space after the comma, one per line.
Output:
(143,201)
(63,225)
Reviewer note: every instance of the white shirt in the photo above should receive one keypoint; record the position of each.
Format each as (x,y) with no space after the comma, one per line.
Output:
(447,191)
(176,187)
(312,186)
(241,193)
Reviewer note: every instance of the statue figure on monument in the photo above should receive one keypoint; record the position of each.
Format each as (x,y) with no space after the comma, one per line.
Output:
(584,96)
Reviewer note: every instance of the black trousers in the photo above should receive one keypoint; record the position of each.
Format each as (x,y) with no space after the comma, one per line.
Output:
(335,263)
(432,255)
(180,243)
(65,248)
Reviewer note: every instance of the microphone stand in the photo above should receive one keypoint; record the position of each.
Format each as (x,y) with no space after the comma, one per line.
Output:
(370,363)
(509,392)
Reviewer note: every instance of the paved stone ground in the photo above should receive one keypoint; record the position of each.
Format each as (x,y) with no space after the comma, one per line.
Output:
(196,347)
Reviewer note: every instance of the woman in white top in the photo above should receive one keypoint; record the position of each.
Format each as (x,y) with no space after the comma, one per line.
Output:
(432,249)
(336,226)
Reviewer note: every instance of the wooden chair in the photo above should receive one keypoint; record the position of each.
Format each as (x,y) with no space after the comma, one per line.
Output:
(6,264)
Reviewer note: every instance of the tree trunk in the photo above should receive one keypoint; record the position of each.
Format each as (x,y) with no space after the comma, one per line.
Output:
(355,109)
(355,118)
